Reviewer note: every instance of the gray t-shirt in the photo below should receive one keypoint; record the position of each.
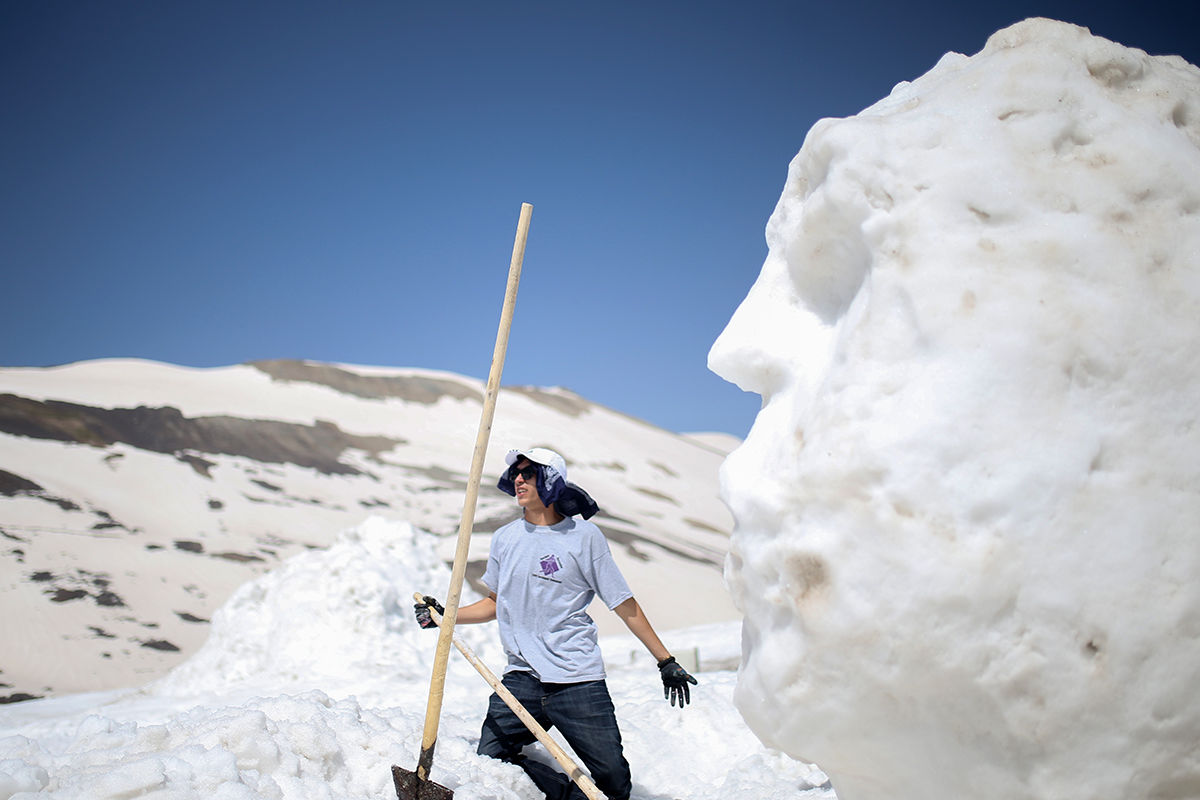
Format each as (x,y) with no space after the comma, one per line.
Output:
(544,578)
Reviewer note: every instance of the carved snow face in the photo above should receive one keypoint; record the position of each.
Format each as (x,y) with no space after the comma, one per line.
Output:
(962,513)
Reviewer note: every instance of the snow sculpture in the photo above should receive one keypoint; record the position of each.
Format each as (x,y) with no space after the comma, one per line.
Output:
(968,514)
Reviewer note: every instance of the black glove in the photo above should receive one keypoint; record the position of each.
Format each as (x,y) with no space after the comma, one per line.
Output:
(424,618)
(675,681)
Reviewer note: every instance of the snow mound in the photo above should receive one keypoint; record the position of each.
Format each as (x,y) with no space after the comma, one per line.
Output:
(303,746)
(326,617)
(966,545)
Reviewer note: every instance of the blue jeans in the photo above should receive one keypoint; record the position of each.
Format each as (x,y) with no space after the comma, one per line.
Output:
(583,713)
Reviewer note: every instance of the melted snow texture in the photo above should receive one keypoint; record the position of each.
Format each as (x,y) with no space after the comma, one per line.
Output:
(966,544)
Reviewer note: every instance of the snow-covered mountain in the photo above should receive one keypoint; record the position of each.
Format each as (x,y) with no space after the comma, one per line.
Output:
(136,496)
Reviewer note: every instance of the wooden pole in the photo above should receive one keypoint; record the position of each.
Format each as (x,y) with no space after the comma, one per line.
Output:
(437,683)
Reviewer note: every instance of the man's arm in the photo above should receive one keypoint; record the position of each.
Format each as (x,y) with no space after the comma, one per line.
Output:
(481,611)
(674,677)
(635,619)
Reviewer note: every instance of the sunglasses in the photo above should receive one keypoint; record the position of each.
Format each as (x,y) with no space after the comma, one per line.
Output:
(528,472)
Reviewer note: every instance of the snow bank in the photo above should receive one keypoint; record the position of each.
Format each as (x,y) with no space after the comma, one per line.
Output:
(282,747)
(966,539)
(327,617)
(315,680)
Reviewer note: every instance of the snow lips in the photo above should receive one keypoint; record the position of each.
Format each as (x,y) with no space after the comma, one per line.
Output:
(966,544)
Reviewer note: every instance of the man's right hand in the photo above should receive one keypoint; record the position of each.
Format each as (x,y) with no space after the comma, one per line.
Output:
(421,609)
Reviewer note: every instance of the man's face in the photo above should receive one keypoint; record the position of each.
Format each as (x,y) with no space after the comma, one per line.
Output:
(526,487)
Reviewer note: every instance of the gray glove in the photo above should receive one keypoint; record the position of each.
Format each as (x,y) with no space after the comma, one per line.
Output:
(675,681)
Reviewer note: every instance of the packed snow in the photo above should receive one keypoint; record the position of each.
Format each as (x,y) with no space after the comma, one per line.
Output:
(966,541)
(314,682)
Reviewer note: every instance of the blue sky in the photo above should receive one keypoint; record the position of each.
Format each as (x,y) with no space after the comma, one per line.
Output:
(208,183)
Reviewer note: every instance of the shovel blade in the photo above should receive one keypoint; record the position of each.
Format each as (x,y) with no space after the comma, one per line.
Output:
(411,787)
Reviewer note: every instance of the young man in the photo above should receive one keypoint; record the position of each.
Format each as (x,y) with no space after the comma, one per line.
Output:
(544,569)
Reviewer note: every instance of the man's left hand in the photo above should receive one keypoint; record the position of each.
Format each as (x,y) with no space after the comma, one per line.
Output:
(675,681)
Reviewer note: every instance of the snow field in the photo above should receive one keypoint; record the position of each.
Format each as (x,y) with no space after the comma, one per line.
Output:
(314,682)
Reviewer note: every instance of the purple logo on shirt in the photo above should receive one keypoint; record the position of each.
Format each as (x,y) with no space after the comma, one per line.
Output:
(549,565)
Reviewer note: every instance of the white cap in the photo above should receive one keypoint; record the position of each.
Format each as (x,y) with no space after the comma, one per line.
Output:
(540,455)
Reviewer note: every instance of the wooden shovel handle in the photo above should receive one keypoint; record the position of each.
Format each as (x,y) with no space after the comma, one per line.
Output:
(437,682)
(573,771)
